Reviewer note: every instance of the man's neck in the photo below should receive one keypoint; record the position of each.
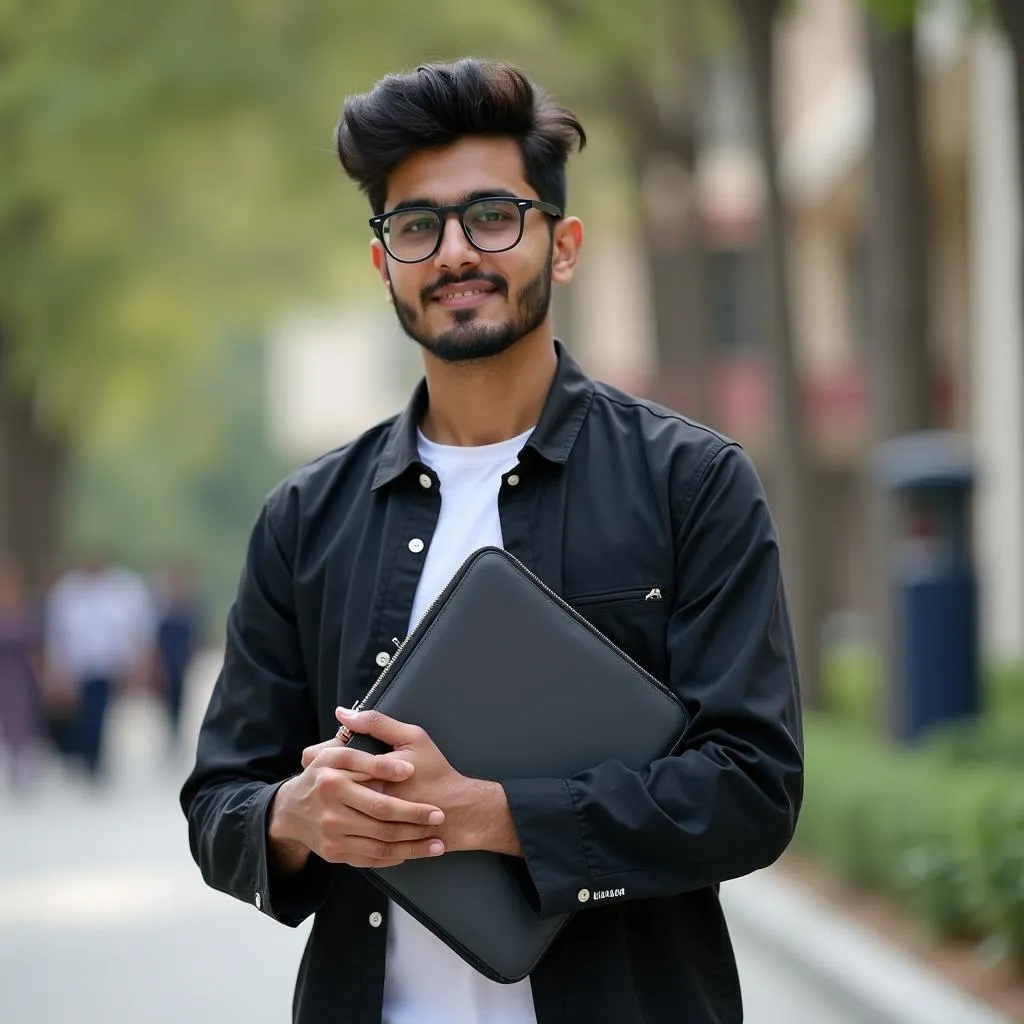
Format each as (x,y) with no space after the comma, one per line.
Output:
(489,400)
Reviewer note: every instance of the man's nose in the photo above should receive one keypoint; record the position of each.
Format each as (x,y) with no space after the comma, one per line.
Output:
(455,252)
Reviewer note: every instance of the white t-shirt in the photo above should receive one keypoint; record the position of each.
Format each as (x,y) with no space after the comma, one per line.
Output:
(424,981)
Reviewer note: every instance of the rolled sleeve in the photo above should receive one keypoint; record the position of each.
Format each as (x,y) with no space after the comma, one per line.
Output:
(289,899)
(259,719)
(546,822)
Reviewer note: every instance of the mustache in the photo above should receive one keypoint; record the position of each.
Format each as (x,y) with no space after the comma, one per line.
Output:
(499,284)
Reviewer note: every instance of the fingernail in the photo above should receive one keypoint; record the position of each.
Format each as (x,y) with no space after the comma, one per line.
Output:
(436,817)
(403,768)
(436,848)
(343,711)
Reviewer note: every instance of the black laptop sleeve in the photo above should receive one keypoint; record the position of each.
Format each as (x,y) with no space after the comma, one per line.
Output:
(510,682)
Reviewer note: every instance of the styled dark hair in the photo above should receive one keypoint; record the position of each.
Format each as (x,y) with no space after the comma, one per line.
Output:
(436,105)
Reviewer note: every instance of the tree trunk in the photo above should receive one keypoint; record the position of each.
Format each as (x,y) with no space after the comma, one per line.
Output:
(797,507)
(663,158)
(677,257)
(898,240)
(1011,13)
(674,249)
(903,378)
(32,470)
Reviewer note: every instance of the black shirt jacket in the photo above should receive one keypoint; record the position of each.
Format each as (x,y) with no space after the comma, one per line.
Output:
(613,497)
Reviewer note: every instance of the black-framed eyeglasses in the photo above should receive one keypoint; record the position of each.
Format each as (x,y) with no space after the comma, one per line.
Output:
(491,224)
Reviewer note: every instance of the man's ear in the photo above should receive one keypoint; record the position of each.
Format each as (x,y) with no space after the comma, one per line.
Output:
(380,263)
(565,249)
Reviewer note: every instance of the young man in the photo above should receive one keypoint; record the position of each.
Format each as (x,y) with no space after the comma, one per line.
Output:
(655,528)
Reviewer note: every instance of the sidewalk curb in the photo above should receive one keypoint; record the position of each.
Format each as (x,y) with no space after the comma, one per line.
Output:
(888,985)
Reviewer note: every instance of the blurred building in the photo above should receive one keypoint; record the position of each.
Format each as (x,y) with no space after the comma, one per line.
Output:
(996,342)
(333,374)
(825,122)
(970,156)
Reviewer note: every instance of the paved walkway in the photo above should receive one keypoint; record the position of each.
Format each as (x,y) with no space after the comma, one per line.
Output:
(104,919)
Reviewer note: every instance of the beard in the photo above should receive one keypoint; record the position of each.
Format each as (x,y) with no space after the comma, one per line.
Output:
(468,339)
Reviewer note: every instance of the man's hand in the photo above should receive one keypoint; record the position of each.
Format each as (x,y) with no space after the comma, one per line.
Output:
(476,811)
(337,809)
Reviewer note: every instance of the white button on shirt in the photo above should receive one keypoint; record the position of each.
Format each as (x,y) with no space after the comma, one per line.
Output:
(415,545)
(383,658)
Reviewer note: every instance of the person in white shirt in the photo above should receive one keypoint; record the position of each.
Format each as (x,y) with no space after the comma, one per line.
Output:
(99,634)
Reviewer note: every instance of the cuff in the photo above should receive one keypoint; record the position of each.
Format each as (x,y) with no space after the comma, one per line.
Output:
(548,829)
(289,899)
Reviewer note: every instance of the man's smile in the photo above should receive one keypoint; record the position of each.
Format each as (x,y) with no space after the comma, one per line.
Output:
(464,296)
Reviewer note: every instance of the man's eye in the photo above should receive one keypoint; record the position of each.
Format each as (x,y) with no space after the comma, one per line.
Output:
(491,216)
(414,227)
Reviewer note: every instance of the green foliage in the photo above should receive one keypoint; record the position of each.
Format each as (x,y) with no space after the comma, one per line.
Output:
(894,14)
(104,118)
(939,826)
(852,683)
(186,486)
(168,178)
(900,14)
(1004,688)
(944,837)
(167,169)
(1001,871)
(987,739)
(853,692)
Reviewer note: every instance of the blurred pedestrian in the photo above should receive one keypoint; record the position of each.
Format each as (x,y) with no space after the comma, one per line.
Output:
(99,639)
(179,633)
(20,719)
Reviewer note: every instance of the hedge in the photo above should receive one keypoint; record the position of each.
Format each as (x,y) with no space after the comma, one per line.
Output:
(941,832)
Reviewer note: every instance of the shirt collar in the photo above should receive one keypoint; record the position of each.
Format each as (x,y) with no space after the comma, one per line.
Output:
(560,420)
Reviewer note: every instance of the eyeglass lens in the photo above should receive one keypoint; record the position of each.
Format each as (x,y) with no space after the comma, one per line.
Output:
(491,224)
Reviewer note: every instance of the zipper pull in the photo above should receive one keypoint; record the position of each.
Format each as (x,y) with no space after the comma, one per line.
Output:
(396,642)
(654,595)
(344,733)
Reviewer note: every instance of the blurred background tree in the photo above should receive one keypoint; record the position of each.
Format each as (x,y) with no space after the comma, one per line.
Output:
(905,382)
(120,247)
(904,378)
(172,192)
(798,508)
(169,183)
(639,71)
(1010,14)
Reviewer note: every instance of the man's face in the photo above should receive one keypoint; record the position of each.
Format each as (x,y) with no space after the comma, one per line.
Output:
(461,303)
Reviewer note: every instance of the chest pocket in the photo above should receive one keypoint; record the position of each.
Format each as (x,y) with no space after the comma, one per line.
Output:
(635,619)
